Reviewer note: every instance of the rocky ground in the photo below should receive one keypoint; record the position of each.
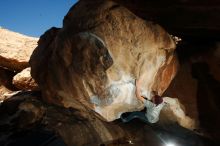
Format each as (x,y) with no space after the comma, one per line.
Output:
(26,120)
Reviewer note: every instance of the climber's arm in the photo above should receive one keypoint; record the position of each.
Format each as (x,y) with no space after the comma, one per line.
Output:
(138,92)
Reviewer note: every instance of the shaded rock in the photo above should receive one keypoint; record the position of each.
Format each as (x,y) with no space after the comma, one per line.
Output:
(25,113)
(184,87)
(197,85)
(91,64)
(3,90)
(201,23)
(6,85)
(6,77)
(15,49)
(24,81)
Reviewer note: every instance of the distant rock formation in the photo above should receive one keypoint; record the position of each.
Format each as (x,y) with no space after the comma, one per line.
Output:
(15,49)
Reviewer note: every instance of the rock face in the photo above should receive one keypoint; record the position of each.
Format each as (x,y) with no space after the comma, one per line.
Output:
(91,64)
(15,49)
(24,81)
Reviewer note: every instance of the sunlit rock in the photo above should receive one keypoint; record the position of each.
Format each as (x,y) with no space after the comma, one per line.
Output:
(15,49)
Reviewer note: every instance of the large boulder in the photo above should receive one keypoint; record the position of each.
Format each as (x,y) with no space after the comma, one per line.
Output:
(15,49)
(92,63)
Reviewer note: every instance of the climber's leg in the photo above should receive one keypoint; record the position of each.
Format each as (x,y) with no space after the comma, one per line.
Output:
(133,115)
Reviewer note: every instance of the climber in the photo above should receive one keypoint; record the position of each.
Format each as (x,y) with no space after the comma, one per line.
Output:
(153,107)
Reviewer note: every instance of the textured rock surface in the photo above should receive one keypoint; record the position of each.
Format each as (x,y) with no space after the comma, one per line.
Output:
(24,81)
(197,85)
(15,49)
(91,64)
(3,90)
(25,119)
(201,23)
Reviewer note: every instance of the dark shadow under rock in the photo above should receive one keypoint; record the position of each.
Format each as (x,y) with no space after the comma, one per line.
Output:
(6,77)
(207,98)
(25,119)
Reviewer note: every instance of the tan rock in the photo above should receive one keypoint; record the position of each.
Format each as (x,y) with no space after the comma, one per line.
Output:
(15,49)
(91,64)
(24,81)
(3,90)
(174,112)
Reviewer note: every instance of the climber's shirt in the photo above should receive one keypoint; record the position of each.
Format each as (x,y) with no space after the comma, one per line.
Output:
(153,110)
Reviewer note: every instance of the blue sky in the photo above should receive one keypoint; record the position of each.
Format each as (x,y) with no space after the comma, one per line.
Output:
(33,17)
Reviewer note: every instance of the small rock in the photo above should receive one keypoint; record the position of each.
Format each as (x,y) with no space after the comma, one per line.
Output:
(3,90)
(24,81)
